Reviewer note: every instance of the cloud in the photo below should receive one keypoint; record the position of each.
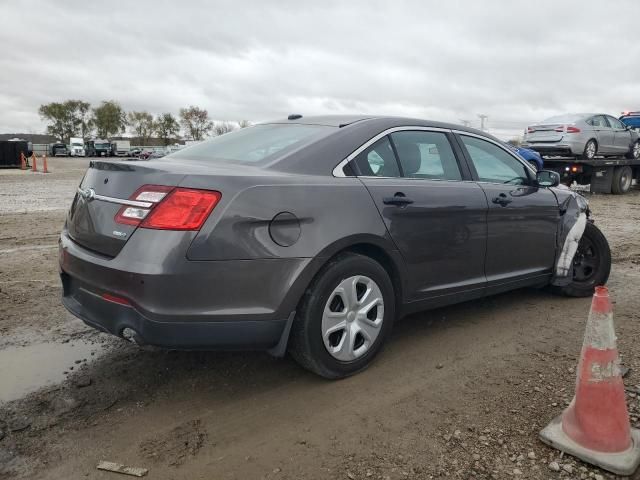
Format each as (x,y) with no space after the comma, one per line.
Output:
(517,62)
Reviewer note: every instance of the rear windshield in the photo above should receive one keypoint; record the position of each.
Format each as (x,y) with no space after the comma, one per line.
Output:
(254,144)
(572,117)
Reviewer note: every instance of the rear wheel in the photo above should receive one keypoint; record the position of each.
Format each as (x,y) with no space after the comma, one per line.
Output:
(621,182)
(344,317)
(591,263)
(590,150)
(634,151)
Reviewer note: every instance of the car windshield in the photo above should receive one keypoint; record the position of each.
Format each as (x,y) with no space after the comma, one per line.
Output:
(76,145)
(572,117)
(254,144)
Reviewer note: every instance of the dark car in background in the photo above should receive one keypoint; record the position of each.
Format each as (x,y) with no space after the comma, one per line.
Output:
(313,236)
(531,156)
(59,150)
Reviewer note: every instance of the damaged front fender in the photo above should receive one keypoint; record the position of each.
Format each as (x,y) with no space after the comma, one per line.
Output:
(574,211)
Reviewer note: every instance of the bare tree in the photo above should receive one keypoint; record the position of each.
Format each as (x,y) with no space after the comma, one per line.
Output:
(220,128)
(195,122)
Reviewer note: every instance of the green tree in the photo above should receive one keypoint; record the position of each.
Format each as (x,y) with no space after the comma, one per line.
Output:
(141,124)
(167,127)
(63,118)
(196,122)
(82,117)
(109,119)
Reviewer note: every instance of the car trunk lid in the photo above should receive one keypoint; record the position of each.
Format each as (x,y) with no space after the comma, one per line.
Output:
(105,188)
(545,133)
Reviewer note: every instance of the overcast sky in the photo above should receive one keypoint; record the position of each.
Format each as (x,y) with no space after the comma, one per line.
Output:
(515,61)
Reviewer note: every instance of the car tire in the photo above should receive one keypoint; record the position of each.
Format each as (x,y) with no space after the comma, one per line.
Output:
(590,150)
(321,332)
(634,151)
(621,182)
(591,264)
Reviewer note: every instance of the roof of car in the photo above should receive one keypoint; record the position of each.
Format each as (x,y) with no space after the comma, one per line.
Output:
(346,120)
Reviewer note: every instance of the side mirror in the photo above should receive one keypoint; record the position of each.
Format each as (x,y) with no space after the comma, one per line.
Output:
(547,178)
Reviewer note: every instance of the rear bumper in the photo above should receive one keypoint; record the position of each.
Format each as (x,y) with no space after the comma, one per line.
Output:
(177,303)
(562,148)
(111,317)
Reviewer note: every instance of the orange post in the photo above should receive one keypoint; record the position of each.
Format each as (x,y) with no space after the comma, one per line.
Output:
(23,161)
(34,168)
(44,164)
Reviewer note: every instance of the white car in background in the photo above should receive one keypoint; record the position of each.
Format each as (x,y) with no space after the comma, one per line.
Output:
(582,135)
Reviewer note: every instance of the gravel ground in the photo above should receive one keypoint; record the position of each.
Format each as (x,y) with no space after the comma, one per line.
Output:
(459,392)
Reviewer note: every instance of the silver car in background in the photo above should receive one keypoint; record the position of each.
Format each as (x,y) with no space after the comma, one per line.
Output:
(582,135)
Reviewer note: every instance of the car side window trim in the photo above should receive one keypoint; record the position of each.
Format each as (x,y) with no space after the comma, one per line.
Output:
(338,170)
(459,133)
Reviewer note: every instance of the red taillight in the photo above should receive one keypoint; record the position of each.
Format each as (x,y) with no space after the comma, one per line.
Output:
(115,299)
(182,209)
(148,195)
(530,129)
(572,129)
(168,208)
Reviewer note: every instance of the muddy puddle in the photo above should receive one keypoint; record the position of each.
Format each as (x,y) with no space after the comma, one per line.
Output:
(27,369)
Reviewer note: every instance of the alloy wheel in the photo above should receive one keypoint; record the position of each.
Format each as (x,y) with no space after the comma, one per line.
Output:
(591,149)
(636,150)
(352,318)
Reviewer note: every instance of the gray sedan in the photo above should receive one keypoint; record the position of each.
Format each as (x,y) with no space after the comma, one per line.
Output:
(584,135)
(312,235)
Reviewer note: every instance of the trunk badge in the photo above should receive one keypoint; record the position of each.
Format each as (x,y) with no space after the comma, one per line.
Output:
(88,194)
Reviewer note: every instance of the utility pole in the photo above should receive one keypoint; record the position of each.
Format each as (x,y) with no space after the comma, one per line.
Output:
(466,123)
(482,118)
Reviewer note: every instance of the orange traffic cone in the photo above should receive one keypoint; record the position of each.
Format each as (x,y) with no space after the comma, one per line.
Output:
(34,168)
(23,161)
(595,426)
(44,164)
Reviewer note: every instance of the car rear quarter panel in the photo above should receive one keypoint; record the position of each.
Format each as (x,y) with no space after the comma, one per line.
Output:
(327,210)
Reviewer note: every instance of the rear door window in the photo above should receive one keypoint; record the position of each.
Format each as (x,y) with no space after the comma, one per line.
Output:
(378,160)
(600,121)
(493,164)
(427,155)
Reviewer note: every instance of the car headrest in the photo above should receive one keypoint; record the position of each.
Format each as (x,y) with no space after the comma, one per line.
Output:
(410,157)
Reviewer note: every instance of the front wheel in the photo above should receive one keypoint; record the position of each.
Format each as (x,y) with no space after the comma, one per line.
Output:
(344,317)
(591,263)
(634,151)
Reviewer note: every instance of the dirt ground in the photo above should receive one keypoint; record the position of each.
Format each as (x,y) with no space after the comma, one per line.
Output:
(459,392)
